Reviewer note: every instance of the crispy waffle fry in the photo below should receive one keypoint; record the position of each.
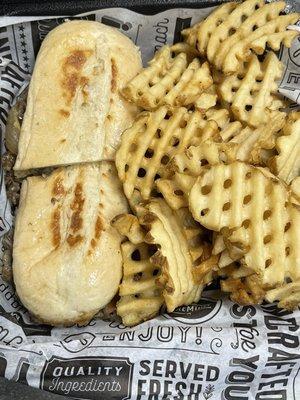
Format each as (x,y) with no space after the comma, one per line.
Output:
(269,240)
(152,141)
(179,241)
(287,163)
(288,295)
(225,195)
(169,80)
(244,291)
(252,91)
(229,24)
(203,32)
(264,26)
(140,297)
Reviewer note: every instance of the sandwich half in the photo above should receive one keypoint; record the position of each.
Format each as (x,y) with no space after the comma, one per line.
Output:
(67,262)
(75,112)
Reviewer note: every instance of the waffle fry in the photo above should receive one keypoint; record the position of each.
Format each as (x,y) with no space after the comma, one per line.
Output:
(288,295)
(229,25)
(252,92)
(269,243)
(264,26)
(179,241)
(287,163)
(140,297)
(205,30)
(169,80)
(219,197)
(152,141)
(272,34)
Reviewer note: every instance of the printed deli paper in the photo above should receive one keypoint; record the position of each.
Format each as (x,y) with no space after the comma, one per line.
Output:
(211,350)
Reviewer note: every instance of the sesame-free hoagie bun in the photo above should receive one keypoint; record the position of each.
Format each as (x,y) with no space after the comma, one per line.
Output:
(75,112)
(67,262)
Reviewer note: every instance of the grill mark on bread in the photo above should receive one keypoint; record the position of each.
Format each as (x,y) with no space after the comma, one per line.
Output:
(98,227)
(55,227)
(76,59)
(58,187)
(77,207)
(71,72)
(73,240)
(114,73)
(64,113)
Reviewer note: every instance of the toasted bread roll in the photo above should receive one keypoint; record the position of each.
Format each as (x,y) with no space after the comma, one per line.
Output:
(67,261)
(74,110)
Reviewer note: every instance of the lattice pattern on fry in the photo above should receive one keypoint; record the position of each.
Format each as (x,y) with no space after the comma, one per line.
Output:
(180,244)
(268,240)
(251,93)
(152,141)
(140,297)
(229,24)
(287,163)
(244,291)
(273,34)
(288,295)
(169,80)
(224,196)
(207,28)
(264,26)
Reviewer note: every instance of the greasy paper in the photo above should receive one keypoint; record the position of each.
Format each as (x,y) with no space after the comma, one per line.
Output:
(215,349)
